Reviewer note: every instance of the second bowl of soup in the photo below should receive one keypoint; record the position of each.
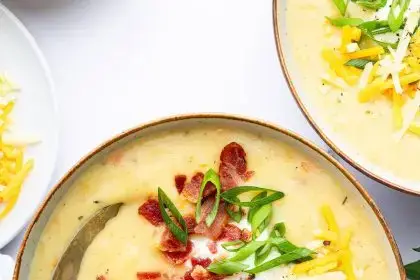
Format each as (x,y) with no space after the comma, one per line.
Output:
(354,70)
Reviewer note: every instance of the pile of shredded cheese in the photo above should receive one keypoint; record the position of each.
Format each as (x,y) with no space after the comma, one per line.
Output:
(13,168)
(393,73)
(337,256)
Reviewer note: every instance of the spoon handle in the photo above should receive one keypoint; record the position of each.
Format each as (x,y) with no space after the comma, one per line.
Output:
(69,264)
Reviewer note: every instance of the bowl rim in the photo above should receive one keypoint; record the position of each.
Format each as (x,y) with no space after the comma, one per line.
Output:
(214,116)
(305,111)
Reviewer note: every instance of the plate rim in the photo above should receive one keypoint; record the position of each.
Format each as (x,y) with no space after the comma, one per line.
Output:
(217,116)
(51,93)
(286,74)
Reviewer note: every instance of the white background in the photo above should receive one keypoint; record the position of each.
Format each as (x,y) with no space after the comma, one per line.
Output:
(118,63)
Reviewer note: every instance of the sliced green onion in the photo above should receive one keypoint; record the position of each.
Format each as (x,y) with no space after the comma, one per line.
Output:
(253,210)
(373,25)
(247,251)
(358,63)
(262,253)
(279,230)
(226,267)
(233,246)
(343,21)
(234,215)
(341,6)
(283,245)
(396,14)
(295,255)
(210,176)
(383,44)
(233,193)
(164,202)
(371,4)
(261,219)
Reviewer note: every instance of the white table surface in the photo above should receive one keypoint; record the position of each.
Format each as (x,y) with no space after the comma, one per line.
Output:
(118,63)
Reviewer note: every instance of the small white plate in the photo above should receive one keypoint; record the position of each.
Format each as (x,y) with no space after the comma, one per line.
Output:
(35,114)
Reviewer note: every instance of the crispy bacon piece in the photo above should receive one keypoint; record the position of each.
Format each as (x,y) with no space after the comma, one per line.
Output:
(215,230)
(233,166)
(179,257)
(100,277)
(230,233)
(191,190)
(212,247)
(203,262)
(180,182)
(246,235)
(169,243)
(150,211)
(200,273)
(148,275)
(191,223)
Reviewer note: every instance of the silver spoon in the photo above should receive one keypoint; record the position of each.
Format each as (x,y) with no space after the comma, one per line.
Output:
(69,264)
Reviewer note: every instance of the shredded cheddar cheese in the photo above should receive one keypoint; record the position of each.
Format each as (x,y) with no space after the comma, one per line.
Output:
(326,235)
(414,128)
(13,168)
(338,256)
(371,52)
(329,218)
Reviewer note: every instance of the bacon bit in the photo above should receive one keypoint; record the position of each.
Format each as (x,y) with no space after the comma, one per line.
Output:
(203,262)
(212,247)
(188,276)
(191,223)
(179,257)
(307,166)
(231,233)
(215,230)
(191,190)
(148,275)
(246,235)
(233,166)
(101,277)
(115,157)
(200,273)
(150,211)
(180,182)
(169,243)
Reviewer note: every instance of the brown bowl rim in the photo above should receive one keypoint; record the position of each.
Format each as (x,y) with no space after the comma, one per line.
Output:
(312,122)
(216,116)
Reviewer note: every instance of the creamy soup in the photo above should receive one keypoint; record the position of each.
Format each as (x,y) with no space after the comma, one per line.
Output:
(130,243)
(377,129)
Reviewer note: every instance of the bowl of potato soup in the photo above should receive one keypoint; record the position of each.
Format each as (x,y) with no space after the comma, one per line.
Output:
(354,70)
(212,197)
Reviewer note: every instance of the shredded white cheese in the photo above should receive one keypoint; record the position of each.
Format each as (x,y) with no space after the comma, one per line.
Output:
(401,52)
(364,78)
(19,139)
(336,82)
(352,47)
(409,112)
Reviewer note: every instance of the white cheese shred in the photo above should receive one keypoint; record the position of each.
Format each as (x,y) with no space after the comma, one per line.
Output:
(410,110)
(364,78)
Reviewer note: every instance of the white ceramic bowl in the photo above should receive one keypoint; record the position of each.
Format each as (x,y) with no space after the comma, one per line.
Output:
(343,177)
(335,141)
(35,113)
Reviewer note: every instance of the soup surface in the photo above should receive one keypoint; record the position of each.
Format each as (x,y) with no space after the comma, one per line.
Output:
(376,130)
(131,245)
